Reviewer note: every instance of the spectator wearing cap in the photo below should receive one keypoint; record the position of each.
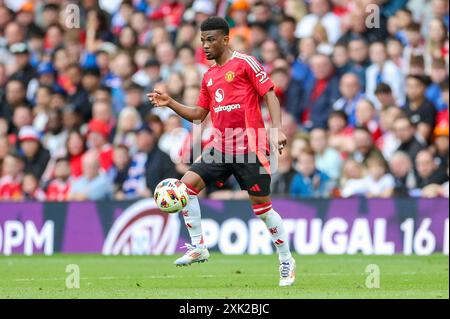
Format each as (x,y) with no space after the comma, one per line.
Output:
(93,184)
(383,70)
(320,13)
(441,144)
(203,9)
(418,108)
(97,139)
(23,69)
(34,155)
(351,93)
(316,104)
(102,111)
(405,132)
(45,76)
(238,12)
(26,17)
(428,172)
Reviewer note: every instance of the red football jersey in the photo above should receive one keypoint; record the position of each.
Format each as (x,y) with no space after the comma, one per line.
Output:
(58,190)
(232,93)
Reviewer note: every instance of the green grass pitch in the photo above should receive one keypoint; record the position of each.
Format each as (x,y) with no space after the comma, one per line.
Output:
(318,276)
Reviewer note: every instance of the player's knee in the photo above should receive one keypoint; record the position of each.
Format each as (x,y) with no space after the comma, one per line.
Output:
(193,182)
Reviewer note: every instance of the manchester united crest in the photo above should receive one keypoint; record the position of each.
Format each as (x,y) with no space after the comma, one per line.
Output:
(229,76)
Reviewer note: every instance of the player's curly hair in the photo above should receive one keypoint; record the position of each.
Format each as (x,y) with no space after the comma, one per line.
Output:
(215,23)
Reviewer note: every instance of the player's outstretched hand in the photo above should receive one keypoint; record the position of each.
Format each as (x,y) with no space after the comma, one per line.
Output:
(158,98)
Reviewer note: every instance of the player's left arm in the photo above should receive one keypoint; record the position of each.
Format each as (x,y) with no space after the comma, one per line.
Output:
(278,140)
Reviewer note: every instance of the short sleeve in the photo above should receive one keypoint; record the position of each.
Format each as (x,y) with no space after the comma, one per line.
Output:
(258,77)
(204,100)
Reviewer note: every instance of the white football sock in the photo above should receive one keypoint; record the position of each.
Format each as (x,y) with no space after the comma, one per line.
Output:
(192,219)
(275,226)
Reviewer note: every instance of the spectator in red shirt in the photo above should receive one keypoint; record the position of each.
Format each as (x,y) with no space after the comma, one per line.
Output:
(58,188)
(76,146)
(97,139)
(10,182)
(442,118)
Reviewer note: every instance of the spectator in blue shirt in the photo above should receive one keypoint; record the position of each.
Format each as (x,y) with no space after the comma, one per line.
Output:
(438,75)
(309,181)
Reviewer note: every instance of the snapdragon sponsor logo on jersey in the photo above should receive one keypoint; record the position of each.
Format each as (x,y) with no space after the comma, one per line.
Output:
(227,108)
(142,229)
(219,96)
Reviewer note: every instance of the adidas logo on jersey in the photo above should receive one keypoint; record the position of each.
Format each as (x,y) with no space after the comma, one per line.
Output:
(209,83)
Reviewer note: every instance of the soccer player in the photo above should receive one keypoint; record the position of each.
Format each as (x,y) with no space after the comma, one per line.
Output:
(231,90)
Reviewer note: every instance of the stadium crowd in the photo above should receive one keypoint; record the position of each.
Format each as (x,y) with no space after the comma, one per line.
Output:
(363,86)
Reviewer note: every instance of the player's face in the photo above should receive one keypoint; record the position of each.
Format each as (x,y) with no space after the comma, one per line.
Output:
(214,43)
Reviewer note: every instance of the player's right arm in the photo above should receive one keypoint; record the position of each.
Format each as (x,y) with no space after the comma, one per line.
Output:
(190,113)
